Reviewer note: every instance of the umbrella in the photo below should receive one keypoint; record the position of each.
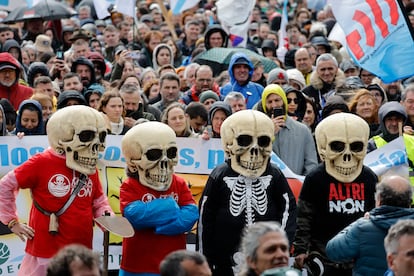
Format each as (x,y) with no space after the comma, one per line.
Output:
(45,9)
(219,58)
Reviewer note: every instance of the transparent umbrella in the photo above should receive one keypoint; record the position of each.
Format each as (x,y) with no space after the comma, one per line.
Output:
(46,10)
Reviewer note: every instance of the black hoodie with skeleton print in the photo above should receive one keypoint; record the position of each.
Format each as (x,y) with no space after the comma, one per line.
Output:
(230,202)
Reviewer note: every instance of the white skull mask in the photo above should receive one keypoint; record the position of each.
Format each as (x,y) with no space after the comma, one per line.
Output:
(78,132)
(151,150)
(342,141)
(247,139)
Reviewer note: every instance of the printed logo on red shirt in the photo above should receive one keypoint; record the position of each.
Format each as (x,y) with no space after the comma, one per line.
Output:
(148,197)
(59,185)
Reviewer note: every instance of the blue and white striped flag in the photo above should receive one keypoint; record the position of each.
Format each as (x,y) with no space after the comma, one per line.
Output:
(283,39)
(378,37)
(178,6)
(235,17)
(126,7)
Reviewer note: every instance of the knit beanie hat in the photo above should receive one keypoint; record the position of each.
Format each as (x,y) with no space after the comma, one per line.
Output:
(208,95)
(277,74)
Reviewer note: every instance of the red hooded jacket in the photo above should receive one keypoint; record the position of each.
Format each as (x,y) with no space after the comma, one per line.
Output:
(17,92)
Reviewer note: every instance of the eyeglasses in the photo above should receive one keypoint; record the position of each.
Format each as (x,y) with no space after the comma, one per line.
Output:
(204,80)
(289,100)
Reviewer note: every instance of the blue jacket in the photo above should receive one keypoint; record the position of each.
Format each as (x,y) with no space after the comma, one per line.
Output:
(251,91)
(363,240)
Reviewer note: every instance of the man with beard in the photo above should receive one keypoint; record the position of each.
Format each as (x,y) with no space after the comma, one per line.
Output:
(86,70)
(9,81)
(393,90)
(133,105)
(203,81)
(72,81)
(169,90)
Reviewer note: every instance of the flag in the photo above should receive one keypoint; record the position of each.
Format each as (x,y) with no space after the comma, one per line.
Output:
(234,16)
(316,5)
(378,37)
(283,39)
(101,8)
(178,6)
(10,5)
(337,34)
(126,7)
(31,3)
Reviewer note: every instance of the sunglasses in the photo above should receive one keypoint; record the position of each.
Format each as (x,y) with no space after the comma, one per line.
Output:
(289,100)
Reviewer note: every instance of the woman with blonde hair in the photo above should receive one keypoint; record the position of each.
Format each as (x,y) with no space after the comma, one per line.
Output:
(174,116)
(46,102)
(366,106)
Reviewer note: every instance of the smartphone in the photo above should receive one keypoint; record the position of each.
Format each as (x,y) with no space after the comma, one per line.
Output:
(134,55)
(278,112)
(209,131)
(59,55)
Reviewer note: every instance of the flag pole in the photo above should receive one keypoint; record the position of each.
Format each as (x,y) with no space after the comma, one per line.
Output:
(167,18)
(407,20)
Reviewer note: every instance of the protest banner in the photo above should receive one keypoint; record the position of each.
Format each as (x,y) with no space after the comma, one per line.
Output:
(197,158)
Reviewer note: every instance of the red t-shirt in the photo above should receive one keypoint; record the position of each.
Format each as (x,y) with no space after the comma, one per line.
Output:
(145,250)
(51,184)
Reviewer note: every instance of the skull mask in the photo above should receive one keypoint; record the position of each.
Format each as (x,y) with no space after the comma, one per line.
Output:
(342,141)
(78,132)
(151,149)
(247,139)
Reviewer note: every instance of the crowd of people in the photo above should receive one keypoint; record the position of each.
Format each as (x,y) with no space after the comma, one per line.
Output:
(134,70)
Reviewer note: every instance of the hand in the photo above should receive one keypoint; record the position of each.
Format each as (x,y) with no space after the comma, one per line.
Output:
(300,260)
(23,231)
(279,123)
(124,56)
(20,135)
(129,122)
(205,135)
(59,67)
(408,130)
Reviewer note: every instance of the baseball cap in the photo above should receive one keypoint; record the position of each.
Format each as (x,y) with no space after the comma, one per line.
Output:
(100,23)
(346,65)
(154,6)
(254,26)
(242,61)
(146,18)
(7,66)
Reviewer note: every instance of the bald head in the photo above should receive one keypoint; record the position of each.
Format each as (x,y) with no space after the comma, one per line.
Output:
(303,60)
(394,190)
